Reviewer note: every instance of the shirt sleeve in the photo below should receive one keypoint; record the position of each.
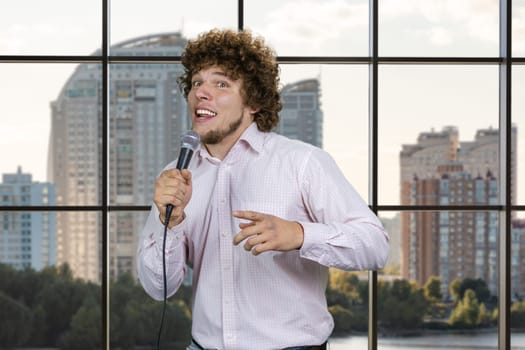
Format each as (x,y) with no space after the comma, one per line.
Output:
(149,256)
(343,233)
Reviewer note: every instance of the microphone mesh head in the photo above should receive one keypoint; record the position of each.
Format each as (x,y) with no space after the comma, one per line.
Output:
(190,140)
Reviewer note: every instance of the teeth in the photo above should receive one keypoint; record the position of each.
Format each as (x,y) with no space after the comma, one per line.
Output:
(205,112)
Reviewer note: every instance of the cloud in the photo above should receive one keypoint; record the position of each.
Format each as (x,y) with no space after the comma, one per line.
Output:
(308,22)
(464,19)
(518,22)
(440,36)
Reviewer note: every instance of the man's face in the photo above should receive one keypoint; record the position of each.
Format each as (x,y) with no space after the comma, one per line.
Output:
(218,112)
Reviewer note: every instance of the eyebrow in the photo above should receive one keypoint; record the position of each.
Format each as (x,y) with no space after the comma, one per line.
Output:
(218,73)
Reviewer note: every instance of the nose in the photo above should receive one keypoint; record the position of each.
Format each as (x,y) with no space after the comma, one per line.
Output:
(202,92)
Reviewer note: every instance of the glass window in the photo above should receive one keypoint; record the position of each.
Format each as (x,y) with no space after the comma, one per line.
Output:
(65,220)
(311,28)
(436,120)
(441,274)
(518,28)
(340,114)
(518,120)
(37,28)
(438,28)
(50,131)
(134,19)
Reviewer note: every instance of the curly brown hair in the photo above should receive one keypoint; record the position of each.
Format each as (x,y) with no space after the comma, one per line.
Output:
(242,56)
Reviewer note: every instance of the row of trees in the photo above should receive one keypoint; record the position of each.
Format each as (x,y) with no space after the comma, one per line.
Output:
(405,307)
(50,308)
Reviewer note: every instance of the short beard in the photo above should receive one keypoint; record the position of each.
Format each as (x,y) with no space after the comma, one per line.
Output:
(214,137)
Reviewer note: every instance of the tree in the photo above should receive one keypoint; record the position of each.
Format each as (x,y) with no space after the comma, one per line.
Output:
(517,315)
(477,285)
(466,314)
(15,323)
(432,289)
(455,290)
(86,331)
(342,319)
(401,305)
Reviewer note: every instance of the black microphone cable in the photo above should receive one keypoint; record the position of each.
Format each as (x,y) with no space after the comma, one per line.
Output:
(189,143)
(169,208)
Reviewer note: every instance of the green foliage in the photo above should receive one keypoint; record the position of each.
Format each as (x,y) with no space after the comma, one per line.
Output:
(50,308)
(468,313)
(85,332)
(455,289)
(342,319)
(458,289)
(15,322)
(135,317)
(401,305)
(432,289)
(517,315)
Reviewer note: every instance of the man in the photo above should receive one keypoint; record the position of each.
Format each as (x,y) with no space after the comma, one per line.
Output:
(260,218)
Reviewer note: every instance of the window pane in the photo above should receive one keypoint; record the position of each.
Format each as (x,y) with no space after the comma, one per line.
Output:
(50,133)
(518,119)
(47,263)
(37,27)
(311,28)
(518,28)
(438,28)
(343,104)
(436,116)
(517,263)
(443,256)
(138,19)
(148,117)
(134,315)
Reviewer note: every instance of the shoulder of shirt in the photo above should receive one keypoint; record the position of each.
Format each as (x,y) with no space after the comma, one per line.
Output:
(280,144)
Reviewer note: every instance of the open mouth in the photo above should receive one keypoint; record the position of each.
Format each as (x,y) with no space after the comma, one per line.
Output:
(204,114)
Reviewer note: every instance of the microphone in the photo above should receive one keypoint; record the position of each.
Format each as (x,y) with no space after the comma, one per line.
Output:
(188,144)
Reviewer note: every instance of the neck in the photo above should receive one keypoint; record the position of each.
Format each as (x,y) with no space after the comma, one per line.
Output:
(219,150)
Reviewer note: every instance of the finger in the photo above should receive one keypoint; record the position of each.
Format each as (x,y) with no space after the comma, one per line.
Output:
(186,174)
(261,248)
(170,173)
(248,215)
(253,242)
(251,230)
(243,225)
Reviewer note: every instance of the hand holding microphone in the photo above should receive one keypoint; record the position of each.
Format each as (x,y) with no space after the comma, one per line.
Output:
(173,186)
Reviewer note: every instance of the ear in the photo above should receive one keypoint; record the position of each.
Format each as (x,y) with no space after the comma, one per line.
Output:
(253,110)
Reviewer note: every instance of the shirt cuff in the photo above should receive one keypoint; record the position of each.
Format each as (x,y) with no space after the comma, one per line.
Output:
(313,242)
(174,235)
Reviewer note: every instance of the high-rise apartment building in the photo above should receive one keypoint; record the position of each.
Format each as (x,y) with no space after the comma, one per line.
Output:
(441,170)
(27,239)
(147,116)
(301,117)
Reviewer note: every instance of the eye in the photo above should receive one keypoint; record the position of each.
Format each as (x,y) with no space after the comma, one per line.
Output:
(222,84)
(196,84)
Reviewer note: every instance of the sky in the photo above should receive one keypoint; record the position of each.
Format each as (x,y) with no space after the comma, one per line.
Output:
(412,99)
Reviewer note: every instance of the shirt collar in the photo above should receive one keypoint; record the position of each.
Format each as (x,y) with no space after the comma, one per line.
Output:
(253,138)
(250,138)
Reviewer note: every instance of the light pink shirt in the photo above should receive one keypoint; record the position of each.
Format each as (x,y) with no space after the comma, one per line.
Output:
(277,299)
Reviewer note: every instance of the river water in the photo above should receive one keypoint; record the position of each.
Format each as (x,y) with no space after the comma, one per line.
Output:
(480,341)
